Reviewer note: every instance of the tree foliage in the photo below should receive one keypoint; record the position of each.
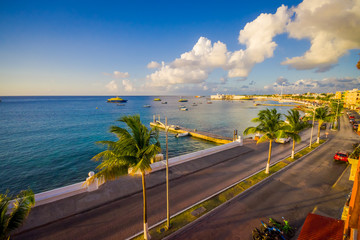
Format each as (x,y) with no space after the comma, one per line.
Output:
(21,208)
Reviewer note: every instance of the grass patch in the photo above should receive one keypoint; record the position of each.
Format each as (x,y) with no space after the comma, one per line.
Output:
(186,217)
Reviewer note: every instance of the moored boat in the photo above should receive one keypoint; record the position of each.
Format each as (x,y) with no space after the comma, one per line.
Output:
(147,106)
(183,109)
(116,100)
(183,100)
(157,99)
(182,134)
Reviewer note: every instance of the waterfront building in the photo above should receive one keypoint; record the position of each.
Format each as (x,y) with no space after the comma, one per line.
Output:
(218,97)
(230,97)
(352,98)
(338,95)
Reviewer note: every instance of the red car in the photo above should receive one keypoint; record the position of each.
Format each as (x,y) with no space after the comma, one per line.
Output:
(341,156)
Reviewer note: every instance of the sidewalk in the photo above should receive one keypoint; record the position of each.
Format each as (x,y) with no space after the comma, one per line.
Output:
(333,209)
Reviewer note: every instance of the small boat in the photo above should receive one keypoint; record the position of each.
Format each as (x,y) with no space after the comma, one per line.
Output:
(182,106)
(164,103)
(194,104)
(183,109)
(157,99)
(116,100)
(182,134)
(147,106)
(183,100)
(209,102)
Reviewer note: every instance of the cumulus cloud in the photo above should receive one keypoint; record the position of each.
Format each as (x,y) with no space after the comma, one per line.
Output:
(196,65)
(281,81)
(128,86)
(324,85)
(193,66)
(223,80)
(258,37)
(112,86)
(153,64)
(117,74)
(332,26)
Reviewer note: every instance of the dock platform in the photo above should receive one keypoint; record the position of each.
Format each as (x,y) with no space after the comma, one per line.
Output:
(194,133)
(277,104)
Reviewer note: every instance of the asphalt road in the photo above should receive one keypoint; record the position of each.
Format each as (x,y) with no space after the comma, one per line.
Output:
(306,186)
(123,218)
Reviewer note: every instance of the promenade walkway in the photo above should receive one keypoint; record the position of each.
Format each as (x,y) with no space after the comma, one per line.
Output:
(190,183)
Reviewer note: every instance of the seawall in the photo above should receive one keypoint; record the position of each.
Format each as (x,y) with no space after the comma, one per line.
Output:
(71,200)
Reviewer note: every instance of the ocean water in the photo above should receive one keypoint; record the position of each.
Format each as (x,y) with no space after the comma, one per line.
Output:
(48,142)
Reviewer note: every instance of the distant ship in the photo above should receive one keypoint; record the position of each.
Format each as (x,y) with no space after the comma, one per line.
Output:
(116,100)
(157,99)
(183,100)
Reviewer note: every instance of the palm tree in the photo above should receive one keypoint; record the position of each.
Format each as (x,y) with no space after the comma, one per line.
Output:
(19,212)
(293,127)
(131,153)
(336,109)
(322,114)
(270,125)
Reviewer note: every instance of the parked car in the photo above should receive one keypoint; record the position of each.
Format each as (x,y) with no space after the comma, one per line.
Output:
(341,156)
(282,140)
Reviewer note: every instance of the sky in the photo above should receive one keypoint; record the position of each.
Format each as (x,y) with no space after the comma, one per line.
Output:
(178,48)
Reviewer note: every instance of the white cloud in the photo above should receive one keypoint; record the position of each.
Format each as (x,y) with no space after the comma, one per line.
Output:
(258,37)
(112,86)
(193,66)
(332,26)
(128,86)
(153,64)
(196,65)
(324,85)
(117,74)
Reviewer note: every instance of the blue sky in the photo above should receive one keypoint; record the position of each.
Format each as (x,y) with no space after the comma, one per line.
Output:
(194,47)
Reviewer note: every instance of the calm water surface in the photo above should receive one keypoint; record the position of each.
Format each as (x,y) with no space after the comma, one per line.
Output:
(48,142)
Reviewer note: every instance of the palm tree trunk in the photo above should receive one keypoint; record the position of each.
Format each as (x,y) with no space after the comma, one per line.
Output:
(268,162)
(318,134)
(146,230)
(293,150)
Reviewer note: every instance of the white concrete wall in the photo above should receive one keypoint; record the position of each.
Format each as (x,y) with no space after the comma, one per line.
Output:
(81,187)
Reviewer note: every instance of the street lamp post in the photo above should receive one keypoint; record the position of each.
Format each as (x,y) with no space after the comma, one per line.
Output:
(337,110)
(312,128)
(167,177)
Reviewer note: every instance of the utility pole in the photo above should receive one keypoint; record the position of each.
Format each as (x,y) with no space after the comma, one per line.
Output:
(167,176)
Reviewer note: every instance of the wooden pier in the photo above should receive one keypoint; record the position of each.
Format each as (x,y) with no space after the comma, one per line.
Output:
(277,104)
(194,133)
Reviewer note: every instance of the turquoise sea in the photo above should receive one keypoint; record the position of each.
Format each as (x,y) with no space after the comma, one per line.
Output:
(48,142)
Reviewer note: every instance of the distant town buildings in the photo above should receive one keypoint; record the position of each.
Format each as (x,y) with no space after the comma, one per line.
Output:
(230,97)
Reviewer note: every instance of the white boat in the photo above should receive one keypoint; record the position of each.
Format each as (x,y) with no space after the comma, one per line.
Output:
(147,106)
(182,134)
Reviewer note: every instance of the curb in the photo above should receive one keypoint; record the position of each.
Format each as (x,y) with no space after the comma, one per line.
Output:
(224,189)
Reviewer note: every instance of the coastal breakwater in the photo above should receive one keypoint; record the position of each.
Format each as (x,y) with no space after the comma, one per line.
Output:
(193,132)
(76,198)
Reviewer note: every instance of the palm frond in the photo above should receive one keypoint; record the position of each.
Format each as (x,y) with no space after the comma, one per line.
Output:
(22,206)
